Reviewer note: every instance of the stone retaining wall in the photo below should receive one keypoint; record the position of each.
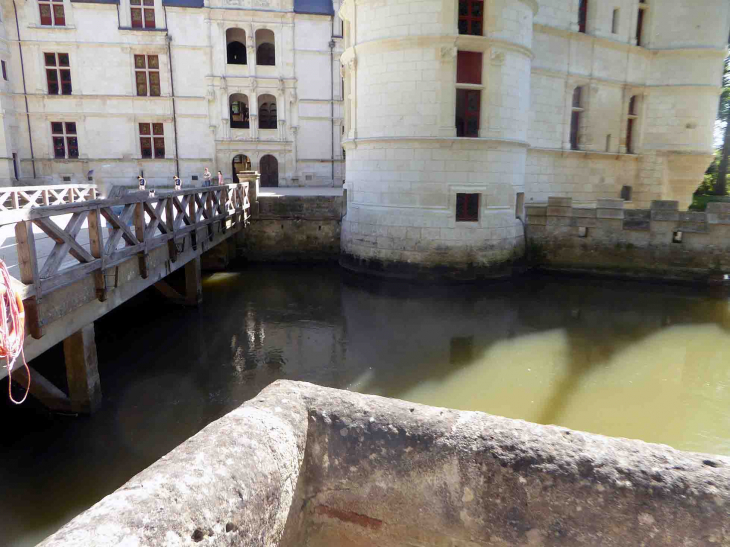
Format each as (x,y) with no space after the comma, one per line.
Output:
(302,465)
(294,229)
(660,242)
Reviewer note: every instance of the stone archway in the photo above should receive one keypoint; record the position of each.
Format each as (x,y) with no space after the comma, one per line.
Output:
(269,169)
(241,162)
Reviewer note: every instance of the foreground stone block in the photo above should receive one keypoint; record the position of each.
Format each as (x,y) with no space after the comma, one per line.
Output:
(302,465)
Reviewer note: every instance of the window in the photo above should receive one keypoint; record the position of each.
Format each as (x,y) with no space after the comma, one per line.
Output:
(640,22)
(265,49)
(575,118)
(626,192)
(608,142)
(143,13)
(5,71)
(239,111)
(471,17)
(236,46)
(65,143)
(58,73)
(147,75)
(152,140)
(582,15)
(265,55)
(52,13)
(630,125)
(267,112)
(614,22)
(467,112)
(467,207)
(468,67)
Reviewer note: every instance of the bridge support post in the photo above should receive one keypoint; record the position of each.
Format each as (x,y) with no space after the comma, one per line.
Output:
(193,284)
(82,371)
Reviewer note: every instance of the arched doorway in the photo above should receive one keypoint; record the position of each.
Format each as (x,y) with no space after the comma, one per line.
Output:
(269,168)
(240,163)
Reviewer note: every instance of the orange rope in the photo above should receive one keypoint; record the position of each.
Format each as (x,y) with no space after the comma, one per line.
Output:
(12,328)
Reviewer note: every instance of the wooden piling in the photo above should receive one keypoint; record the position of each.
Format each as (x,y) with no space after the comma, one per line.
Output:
(82,371)
(193,282)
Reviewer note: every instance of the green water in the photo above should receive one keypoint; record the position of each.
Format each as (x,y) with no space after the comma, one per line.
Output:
(623,359)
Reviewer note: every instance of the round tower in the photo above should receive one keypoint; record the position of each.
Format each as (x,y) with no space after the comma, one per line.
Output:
(437,98)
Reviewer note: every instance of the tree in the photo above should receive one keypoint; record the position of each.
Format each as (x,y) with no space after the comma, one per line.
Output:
(723,116)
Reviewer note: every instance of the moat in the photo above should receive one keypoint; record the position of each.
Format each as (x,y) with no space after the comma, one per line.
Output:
(623,359)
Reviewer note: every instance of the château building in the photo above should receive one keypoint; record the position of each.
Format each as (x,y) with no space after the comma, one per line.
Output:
(458,112)
(165,87)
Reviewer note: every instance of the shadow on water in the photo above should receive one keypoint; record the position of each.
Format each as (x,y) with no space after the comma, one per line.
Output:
(533,348)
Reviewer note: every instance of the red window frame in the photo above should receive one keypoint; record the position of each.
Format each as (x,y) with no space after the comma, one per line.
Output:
(469,67)
(152,140)
(58,73)
(471,17)
(147,75)
(142,13)
(583,16)
(65,140)
(468,111)
(52,13)
(467,207)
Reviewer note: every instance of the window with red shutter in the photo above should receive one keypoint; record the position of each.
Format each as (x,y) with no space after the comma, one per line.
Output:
(152,140)
(65,140)
(469,67)
(468,107)
(52,13)
(471,17)
(467,207)
(143,13)
(147,75)
(58,73)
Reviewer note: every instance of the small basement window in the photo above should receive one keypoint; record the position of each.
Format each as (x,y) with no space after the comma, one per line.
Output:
(677,237)
(467,207)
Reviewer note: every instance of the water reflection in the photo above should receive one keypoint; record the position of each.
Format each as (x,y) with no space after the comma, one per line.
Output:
(621,359)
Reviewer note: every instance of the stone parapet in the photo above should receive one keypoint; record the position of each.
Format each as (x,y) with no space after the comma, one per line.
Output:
(302,465)
(660,242)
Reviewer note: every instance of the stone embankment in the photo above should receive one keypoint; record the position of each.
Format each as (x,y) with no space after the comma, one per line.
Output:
(305,465)
(291,228)
(659,243)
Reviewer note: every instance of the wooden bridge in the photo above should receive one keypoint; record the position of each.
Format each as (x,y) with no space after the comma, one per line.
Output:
(74,258)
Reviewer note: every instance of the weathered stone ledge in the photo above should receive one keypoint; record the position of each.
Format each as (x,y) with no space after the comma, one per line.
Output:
(305,465)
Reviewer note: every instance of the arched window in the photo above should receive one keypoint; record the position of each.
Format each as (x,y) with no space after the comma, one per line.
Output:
(239,111)
(265,49)
(236,46)
(267,112)
(575,118)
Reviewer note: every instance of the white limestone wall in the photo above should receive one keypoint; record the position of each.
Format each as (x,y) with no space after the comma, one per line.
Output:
(675,78)
(107,111)
(405,164)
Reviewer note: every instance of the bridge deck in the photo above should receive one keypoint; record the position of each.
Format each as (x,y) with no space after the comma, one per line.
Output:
(74,262)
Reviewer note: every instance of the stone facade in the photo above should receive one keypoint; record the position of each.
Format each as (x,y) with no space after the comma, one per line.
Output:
(656,243)
(293,229)
(302,465)
(640,125)
(296,98)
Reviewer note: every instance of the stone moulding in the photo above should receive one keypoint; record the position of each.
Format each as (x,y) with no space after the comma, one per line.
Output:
(302,465)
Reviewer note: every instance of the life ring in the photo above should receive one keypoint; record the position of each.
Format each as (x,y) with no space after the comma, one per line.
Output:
(17,330)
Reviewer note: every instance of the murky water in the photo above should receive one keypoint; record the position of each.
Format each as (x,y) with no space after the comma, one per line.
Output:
(622,359)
